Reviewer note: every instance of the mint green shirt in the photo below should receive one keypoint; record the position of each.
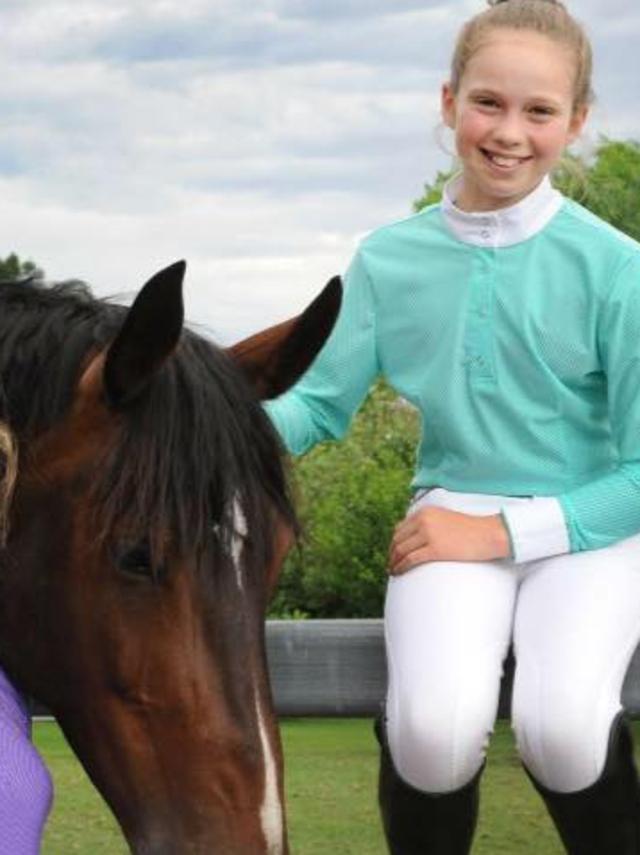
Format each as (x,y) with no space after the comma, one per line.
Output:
(523,359)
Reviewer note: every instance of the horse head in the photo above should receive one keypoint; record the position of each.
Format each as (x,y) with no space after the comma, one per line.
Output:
(149,519)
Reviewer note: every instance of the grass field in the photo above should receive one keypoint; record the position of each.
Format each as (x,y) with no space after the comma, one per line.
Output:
(331,770)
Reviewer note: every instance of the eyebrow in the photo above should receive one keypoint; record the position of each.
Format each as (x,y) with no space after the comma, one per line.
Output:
(487,91)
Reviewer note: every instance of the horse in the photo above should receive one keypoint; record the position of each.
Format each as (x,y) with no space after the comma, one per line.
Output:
(144,514)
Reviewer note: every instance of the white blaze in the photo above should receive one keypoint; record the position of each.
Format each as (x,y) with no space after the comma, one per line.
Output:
(239,533)
(271,808)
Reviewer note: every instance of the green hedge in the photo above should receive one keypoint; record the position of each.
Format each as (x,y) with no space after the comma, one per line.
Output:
(350,495)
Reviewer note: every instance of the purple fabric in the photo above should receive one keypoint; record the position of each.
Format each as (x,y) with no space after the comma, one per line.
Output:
(26,790)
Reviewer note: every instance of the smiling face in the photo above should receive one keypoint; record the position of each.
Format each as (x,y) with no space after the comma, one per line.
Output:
(513,115)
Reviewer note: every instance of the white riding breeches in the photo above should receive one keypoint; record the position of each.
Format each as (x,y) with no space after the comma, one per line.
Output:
(574,621)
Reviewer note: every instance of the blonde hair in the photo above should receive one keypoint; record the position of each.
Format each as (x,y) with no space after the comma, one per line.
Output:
(8,462)
(547,17)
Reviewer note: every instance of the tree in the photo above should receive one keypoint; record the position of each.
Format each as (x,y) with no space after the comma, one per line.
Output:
(433,192)
(12,268)
(608,184)
(351,494)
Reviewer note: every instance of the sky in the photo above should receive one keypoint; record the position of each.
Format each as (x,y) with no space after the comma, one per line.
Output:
(260,140)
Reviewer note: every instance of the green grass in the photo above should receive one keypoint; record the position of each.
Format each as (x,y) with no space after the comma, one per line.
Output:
(331,777)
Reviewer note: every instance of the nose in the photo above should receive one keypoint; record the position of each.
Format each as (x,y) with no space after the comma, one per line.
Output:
(508,131)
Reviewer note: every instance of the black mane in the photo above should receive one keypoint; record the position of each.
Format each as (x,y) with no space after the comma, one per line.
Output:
(192,447)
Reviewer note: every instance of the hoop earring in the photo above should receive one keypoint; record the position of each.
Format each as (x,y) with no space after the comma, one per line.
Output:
(446,145)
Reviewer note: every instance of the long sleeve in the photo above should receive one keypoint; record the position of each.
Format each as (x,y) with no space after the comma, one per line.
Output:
(320,406)
(607,509)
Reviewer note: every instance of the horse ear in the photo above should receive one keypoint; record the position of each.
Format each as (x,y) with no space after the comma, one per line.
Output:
(275,358)
(150,332)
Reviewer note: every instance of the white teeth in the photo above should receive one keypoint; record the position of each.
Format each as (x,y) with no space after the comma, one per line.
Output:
(503,161)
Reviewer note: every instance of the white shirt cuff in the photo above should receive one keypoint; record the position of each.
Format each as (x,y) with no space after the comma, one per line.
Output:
(537,529)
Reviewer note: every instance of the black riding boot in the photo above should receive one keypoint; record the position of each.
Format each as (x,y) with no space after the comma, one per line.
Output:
(603,819)
(417,823)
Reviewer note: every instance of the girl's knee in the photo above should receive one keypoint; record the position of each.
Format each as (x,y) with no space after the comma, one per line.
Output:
(435,752)
(564,749)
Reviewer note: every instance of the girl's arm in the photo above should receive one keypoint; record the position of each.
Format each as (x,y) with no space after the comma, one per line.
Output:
(607,509)
(320,406)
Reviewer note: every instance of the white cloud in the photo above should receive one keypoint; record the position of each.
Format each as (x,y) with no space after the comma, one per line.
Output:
(257,140)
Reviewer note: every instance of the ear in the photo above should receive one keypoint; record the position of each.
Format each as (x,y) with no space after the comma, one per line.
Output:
(275,358)
(150,332)
(448,105)
(577,123)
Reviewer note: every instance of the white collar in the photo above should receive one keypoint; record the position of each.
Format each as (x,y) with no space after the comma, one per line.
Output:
(504,226)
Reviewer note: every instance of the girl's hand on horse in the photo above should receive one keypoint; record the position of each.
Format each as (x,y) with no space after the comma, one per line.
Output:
(438,534)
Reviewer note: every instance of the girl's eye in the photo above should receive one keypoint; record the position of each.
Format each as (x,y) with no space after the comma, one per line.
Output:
(487,102)
(542,111)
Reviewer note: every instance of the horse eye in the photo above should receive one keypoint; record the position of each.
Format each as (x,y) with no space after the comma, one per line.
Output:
(136,561)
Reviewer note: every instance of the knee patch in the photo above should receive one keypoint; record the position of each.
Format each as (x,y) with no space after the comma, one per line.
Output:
(565,753)
(434,757)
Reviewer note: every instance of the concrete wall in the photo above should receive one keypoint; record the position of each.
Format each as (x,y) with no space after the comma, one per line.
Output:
(338,668)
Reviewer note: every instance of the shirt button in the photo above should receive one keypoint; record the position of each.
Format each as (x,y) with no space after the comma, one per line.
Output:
(485,233)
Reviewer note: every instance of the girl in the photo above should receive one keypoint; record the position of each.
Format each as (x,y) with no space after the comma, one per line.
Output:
(510,316)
